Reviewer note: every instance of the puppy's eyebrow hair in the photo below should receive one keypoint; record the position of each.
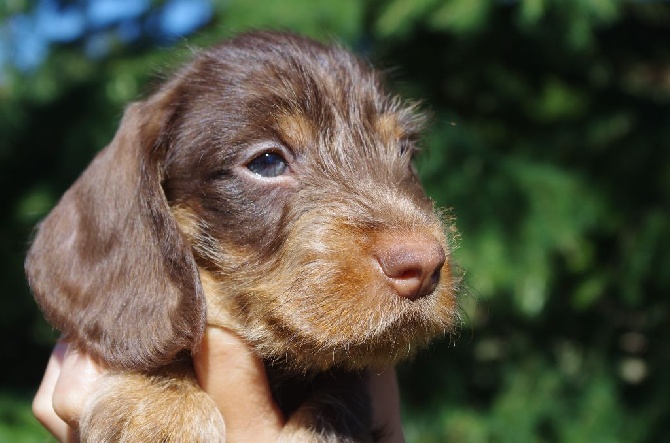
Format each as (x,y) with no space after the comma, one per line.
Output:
(295,129)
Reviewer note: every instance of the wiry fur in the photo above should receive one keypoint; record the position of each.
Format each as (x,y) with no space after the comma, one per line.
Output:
(167,230)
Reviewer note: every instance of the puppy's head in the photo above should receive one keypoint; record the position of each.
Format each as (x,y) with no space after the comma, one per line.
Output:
(277,172)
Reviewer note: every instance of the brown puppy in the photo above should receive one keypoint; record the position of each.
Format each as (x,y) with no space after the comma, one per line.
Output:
(268,189)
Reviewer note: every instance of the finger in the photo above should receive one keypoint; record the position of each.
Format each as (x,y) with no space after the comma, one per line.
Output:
(235,378)
(43,401)
(386,405)
(75,385)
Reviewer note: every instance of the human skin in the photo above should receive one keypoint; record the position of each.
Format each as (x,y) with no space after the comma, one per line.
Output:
(241,392)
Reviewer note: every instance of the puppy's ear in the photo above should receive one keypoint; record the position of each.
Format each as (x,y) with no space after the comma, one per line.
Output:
(109,265)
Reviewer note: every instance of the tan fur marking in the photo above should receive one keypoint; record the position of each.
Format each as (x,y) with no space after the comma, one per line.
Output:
(187,220)
(297,129)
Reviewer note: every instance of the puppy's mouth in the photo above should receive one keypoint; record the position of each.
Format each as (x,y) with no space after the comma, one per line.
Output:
(375,327)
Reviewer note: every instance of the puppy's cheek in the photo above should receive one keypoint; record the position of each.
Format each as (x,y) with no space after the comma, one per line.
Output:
(336,303)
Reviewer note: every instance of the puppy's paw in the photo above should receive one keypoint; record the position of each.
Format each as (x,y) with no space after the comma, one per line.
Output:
(308,425)
(338,410)
(162,407)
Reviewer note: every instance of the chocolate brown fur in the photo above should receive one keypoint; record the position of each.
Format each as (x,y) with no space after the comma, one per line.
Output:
(168,230)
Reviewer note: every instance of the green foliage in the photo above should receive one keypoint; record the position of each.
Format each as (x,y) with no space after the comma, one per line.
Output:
(526,410)
(17,424)
(318,18)
(548,139)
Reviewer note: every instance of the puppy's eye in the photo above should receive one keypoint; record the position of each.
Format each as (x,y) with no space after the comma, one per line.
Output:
(268,164)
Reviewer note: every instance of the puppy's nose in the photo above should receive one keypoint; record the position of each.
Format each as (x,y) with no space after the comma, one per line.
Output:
(412,265)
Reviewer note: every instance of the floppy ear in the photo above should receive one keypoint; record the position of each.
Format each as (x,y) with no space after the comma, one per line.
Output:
(109,265)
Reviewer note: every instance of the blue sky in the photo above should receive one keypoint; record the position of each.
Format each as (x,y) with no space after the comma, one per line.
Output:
(25,39)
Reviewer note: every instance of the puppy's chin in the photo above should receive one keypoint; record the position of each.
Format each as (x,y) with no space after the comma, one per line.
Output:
(356,336)
(305,356)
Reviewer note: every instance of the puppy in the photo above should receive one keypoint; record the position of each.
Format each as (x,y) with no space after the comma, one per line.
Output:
(267,188)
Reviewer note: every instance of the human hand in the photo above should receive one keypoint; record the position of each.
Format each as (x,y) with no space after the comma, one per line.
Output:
(241,392)
(68,381)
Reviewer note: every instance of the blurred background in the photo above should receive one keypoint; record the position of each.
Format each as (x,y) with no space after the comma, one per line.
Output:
(549,139)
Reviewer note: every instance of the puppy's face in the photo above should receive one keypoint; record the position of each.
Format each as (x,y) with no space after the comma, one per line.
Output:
(267,187)
(288,169)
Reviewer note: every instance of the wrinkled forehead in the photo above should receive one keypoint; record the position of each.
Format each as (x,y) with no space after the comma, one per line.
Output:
(302,91)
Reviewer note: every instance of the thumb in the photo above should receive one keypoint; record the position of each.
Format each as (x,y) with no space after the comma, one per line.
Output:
(235,378)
